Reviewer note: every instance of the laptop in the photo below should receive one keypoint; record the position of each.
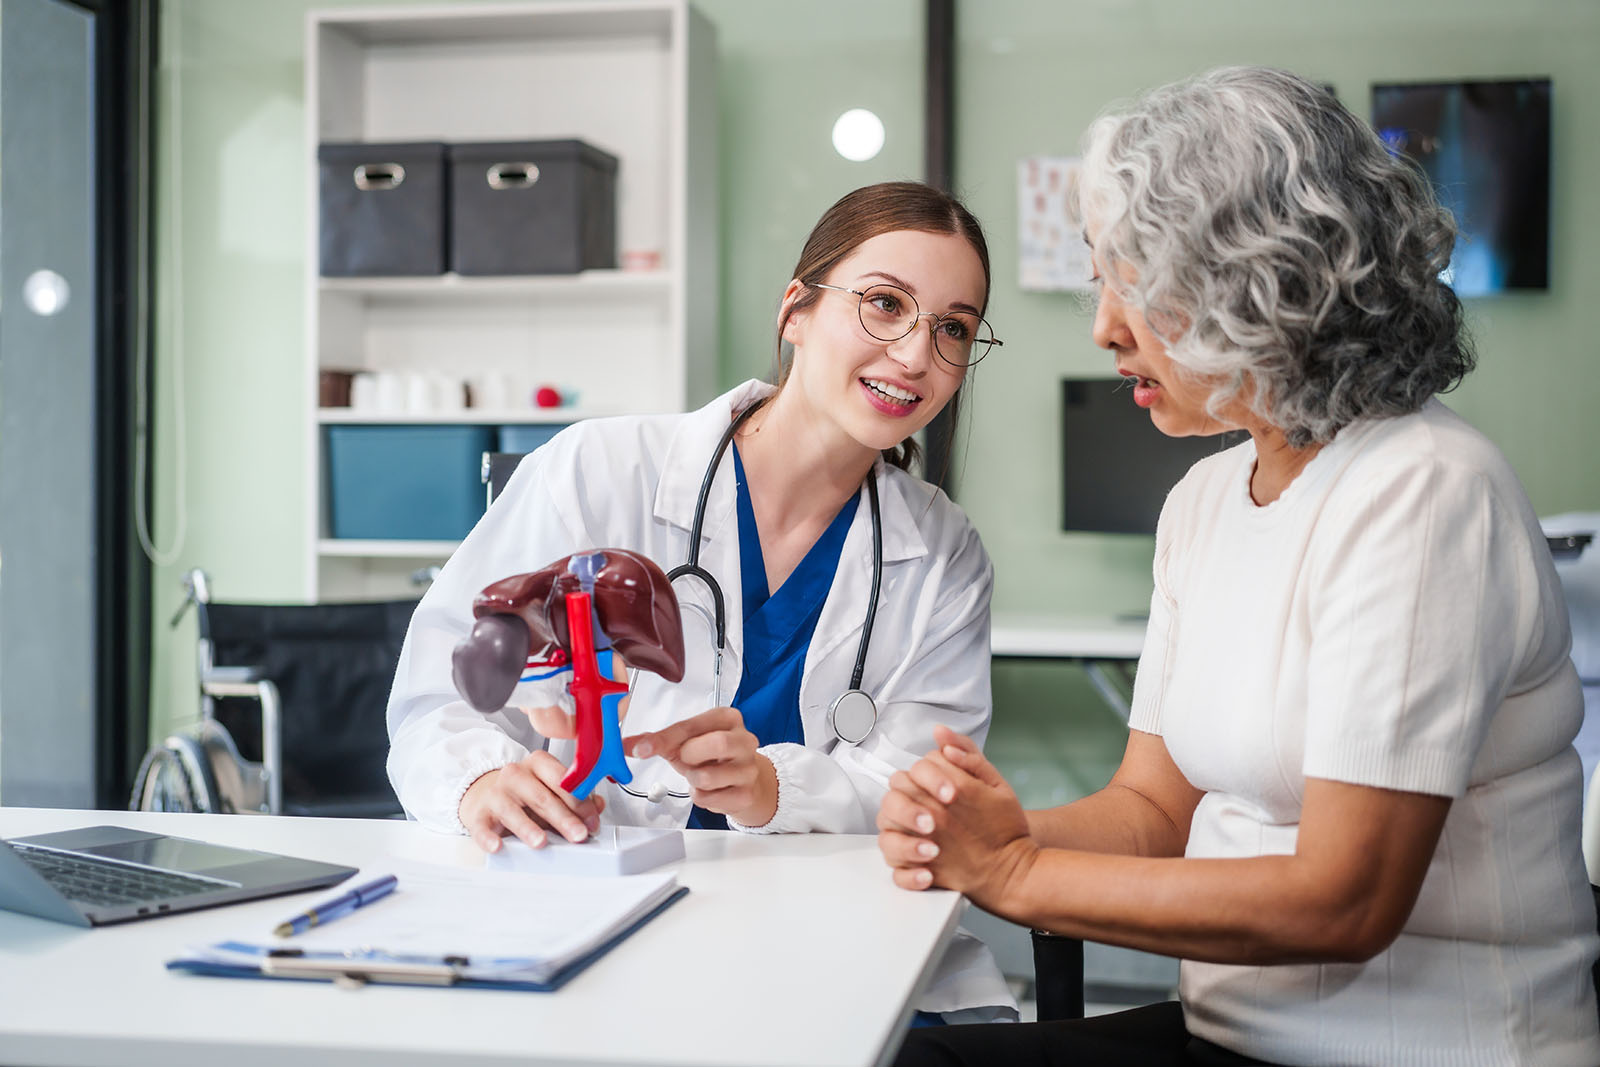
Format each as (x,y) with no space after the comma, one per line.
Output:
(109,874)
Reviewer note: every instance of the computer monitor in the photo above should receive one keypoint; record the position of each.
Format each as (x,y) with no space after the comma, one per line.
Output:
(1486,147)
(1116,467)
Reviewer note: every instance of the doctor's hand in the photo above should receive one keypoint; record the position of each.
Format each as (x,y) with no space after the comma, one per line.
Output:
(953,822)
(717,756)
(560,723)
(526,799)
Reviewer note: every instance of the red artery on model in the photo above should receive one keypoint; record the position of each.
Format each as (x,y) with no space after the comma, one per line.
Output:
(596,698)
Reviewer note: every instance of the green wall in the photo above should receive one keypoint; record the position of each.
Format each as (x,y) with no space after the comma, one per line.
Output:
(1030,76)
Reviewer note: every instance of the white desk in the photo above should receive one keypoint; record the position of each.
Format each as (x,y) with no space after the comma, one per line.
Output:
(788,950)
(1101,645)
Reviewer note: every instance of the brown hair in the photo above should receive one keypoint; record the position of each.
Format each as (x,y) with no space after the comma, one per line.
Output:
(860,216)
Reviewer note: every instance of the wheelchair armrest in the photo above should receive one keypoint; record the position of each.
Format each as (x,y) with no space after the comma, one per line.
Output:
(230,681)
(250,683)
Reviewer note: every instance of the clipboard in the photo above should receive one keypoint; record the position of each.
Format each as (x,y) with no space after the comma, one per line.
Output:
(381,969)
(502,968)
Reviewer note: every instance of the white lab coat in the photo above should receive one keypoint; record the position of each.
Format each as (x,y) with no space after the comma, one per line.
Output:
(632,483)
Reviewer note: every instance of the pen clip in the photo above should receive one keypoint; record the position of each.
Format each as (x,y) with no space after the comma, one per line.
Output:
(361,971)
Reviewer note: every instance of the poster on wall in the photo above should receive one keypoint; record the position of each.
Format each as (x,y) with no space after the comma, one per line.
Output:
(1054,256)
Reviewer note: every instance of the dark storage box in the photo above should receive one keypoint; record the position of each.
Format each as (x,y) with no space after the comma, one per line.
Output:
(532,207)
(382,208)
(408,483)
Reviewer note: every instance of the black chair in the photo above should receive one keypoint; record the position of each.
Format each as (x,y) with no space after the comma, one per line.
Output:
(1057,976)
(293,701)
(497,470)
(1595,889)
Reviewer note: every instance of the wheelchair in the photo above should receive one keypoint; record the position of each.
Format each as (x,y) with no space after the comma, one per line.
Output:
(292,703)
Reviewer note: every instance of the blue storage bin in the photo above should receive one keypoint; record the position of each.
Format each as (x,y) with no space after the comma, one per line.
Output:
(525,437)
(407,483)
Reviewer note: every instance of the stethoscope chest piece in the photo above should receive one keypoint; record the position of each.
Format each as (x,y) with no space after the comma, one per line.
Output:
(853,716)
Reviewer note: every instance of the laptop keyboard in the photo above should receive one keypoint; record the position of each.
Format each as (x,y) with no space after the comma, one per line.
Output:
(106,883)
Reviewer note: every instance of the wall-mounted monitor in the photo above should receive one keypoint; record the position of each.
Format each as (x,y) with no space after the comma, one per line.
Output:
(1116,466)
(1486,147)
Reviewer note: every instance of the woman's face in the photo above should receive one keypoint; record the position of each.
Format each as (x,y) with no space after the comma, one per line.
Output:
(1175,399)
(876,392)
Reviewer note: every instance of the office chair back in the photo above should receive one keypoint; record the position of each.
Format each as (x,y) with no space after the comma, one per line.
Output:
(497,470)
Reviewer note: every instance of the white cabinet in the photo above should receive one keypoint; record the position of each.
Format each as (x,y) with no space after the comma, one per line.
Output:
(636,79)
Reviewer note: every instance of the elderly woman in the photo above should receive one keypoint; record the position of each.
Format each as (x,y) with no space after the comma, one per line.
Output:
(1349,799)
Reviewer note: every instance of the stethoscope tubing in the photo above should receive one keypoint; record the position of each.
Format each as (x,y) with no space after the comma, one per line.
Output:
(691,567)
(877,583)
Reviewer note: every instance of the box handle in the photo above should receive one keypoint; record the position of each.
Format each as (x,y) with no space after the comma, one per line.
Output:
(370,176)
(512,175)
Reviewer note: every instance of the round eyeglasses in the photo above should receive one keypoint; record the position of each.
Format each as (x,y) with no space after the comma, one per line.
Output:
(888,313)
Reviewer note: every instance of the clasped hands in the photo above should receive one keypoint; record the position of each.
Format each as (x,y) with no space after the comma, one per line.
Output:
(952,822)
(712,751)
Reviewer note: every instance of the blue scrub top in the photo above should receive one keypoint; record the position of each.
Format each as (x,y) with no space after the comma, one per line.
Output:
(778,628)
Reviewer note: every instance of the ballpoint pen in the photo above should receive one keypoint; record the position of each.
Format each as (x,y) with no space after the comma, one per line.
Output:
(343,904)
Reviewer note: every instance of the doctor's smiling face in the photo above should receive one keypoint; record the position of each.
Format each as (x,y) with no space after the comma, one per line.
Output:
(879,391)
(883,268)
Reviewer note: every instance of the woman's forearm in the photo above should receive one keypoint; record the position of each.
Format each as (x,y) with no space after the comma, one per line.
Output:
(1361,856)
(1117,819)
(1265,910)
(1144,811)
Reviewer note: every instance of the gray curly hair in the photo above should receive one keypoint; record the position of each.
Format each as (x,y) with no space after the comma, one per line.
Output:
(1278,248)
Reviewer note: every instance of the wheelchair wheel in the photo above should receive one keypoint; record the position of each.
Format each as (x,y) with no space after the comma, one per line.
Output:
(174,776)
(237,784)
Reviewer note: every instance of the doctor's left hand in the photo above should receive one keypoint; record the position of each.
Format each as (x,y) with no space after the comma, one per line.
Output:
(717,756)
(953,822)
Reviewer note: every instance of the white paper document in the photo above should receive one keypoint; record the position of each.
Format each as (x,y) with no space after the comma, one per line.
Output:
(483,923)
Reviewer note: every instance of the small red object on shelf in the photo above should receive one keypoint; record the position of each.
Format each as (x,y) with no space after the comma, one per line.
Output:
(547,396)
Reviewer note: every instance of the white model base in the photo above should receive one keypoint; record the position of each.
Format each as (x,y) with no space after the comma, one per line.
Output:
(613,850)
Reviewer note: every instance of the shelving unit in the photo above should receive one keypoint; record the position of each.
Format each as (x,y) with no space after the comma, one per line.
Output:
(454,287)
(561,416)
(352,548)
(634,77)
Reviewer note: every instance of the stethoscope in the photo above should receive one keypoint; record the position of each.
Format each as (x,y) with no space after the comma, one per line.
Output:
(853,713)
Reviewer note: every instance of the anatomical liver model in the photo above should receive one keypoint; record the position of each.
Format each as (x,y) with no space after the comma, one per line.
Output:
(571,615)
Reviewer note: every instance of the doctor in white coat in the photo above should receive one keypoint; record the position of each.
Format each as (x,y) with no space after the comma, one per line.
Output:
(813,474)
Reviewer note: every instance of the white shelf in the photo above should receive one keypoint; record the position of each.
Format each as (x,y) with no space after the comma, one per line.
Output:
(356,549)
(492,23)
(465,417)
(456,287)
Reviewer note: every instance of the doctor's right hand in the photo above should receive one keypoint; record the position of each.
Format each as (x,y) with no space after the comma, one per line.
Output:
(526,799)
(559,722)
